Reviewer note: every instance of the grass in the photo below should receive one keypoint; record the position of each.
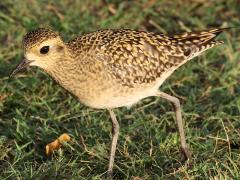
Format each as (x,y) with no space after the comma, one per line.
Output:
(34,110)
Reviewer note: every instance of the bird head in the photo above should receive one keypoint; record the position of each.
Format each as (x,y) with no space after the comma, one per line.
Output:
(42,48)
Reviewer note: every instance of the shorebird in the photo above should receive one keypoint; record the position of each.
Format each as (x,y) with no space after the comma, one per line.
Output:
(108,69)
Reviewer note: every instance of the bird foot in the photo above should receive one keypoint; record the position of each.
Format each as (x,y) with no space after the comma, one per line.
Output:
(109,174)
(187,153)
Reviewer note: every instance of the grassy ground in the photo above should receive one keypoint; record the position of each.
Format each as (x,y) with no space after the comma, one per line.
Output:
(34,110)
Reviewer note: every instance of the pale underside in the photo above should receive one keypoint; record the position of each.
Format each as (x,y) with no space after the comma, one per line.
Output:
(114,99)
(121,96)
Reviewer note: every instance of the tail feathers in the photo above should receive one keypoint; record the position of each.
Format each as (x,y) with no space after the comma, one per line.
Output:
(194,43)
(198,37)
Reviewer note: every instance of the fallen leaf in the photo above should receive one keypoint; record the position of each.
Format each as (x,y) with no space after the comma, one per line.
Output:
(55,145)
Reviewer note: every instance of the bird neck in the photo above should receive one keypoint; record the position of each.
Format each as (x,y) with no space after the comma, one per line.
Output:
(65,72)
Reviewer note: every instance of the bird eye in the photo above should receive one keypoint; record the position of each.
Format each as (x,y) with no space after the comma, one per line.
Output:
(44,50)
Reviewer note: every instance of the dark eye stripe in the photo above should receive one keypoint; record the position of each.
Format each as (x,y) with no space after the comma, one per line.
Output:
(44,50)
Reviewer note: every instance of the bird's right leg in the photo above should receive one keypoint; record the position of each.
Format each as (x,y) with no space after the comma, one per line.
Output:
(176,103)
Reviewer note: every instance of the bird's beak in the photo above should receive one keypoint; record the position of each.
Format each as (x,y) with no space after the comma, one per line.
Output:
(23,64)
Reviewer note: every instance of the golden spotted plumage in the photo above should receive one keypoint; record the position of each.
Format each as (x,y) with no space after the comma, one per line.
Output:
(139,57)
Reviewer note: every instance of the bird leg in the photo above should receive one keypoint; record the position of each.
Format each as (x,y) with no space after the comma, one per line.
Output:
(180,124)
(115,133)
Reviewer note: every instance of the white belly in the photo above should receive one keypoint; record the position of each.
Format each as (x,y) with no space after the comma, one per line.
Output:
(115,95)
(113,98)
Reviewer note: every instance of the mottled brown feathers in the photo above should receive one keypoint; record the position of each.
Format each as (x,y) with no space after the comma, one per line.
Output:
(141,57)
(38,36)
(132,57)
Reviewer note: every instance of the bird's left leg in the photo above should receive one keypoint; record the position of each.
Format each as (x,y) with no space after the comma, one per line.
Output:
(115,133)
